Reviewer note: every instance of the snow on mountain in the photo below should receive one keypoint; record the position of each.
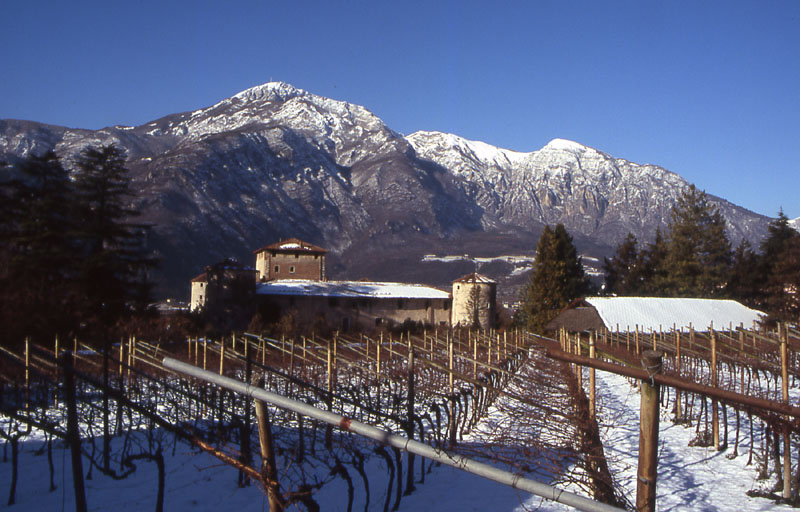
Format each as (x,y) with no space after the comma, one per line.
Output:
(276,161)
(795,224)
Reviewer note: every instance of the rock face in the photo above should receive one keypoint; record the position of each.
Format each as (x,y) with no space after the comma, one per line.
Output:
(275,161)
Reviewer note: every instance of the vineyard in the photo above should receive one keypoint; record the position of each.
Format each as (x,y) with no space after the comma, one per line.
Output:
(517,401)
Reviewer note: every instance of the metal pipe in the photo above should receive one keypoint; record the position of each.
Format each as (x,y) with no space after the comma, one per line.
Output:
(451,459)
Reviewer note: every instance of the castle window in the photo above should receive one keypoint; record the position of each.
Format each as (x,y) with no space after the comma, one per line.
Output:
(399,303)
(291,269)
(277,268)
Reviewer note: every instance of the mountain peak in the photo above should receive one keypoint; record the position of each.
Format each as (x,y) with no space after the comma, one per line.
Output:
(270,91)
(565,145)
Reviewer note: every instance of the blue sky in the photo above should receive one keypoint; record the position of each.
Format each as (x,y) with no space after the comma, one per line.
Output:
(709,90)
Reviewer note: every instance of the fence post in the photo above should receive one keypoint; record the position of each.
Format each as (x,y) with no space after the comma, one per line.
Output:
(410,419)
(73,432)
(648,435)
(269,472)
(591,377)
(678,412)
(714,405)
(787,457)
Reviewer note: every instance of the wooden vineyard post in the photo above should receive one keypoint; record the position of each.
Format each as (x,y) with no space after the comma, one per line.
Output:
(27,373)
(221,355)
(489,361)
(450,363)
(578,368)
(205,351)
(678,413)
(291,356)
(655,337)
(410,414)
(475,360)
(451,416)
(329,399)
(378,362)
(58,373)
(591,377)
(714,411)
(330,367)
(73,432)
(269,472)
(787,458)
(741,338)
(636,339)
(648,435)
(121,356)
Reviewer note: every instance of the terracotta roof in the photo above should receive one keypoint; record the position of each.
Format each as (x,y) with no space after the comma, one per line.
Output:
(202,278)
(474,278)
(292,245)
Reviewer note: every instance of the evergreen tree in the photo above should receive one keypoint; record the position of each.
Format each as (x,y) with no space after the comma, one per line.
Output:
(114,259)
(779,232)
(652,267)
(745,283)
(784,283)
(622,271)
(698,255)
(557,278)
(37,251)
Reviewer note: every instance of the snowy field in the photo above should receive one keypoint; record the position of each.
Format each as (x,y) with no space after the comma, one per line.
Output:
(689,478)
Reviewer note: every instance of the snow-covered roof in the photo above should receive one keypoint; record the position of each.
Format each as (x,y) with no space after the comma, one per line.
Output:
(292,245)
(352,289)
(657,313)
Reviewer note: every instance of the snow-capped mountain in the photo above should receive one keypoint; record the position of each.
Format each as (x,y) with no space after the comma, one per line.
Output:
(591,192)
(795,223)
(276,161)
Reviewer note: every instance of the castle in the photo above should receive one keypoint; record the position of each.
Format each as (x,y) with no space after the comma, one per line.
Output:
(289,277)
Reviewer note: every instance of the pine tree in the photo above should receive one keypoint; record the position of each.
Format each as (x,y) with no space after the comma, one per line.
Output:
(778,269)
(557,278)
(784,283)
(745,283)
(37,251)
(114,258)
(779,232)
(622,271)
(698,251)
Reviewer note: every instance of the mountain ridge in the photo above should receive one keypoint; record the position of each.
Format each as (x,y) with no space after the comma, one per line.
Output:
(276,161)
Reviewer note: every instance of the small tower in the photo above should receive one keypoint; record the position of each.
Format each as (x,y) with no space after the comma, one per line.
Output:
(474,297)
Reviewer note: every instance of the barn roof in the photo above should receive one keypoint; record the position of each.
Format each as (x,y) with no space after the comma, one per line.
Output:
(658,313)
(351,289)
(292,245)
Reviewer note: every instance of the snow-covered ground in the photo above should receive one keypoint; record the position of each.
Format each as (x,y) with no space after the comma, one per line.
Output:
(689,478)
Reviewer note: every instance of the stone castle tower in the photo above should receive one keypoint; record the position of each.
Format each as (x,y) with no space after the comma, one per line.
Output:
(474,297)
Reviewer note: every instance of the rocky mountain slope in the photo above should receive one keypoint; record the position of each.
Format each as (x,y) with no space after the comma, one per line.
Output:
(276,161)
